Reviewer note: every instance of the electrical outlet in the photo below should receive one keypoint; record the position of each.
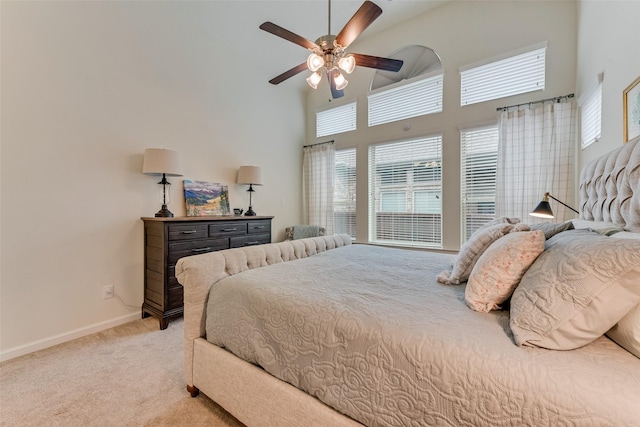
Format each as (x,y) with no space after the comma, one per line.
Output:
(107,292)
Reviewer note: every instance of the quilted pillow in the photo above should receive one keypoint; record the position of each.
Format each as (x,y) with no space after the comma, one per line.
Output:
(577,289)
(500,268)
(627,331)
(475,246)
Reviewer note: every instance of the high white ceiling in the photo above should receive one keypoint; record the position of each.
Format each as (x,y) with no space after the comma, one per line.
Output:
(237,22)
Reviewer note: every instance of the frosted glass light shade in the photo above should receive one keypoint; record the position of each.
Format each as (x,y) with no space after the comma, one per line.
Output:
(347,64)
(158,161)
(250,175)
(339,80)
(315,62)
(314,79)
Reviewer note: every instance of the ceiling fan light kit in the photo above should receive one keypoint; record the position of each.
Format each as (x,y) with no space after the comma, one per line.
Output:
(328,53)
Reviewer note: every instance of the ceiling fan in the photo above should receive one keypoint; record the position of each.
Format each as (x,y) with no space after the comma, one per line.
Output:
(328,53)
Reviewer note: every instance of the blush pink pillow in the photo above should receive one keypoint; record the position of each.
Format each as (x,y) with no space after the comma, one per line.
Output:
(500,268)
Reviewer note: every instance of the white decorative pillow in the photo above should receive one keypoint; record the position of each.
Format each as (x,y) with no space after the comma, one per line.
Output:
(500,268)
(475,246)
(577,289)
(627,331)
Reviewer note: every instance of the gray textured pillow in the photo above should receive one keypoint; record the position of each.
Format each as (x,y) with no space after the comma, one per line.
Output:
(577,289)
(474,248)
(550,229)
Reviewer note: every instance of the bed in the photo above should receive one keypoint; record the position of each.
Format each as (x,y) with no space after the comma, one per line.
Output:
(323,332)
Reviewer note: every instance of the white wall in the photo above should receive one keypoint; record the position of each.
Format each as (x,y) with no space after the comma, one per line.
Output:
(461,32)
(86,87)
(609,42)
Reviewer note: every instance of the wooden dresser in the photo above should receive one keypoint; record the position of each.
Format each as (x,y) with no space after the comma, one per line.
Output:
(168,239)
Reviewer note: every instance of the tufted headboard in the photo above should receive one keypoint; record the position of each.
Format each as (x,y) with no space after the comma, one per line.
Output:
(610,187)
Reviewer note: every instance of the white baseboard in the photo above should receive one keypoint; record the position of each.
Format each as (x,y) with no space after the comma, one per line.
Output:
(67,336)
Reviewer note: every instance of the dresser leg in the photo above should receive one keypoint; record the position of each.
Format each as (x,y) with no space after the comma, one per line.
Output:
(164,323)
(193,391)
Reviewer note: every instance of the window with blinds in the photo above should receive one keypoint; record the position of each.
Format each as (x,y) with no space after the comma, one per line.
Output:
(336,120)
(591,114)
(344,192)
(405,192)
(478,158)
(411,98)
(510,76)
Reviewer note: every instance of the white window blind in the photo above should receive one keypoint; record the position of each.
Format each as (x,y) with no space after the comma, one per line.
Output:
(344,192)
(510,76)
(591,114)
(336,120)
(405,192)
(405,100)
(478,158)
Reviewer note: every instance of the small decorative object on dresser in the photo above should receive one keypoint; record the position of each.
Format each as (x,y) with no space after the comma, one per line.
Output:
(168,239)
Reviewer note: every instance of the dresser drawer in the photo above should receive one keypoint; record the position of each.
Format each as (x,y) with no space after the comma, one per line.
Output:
(230,228)
(187,231)
(258,227)
(179,250)
(250,240)
(175,297)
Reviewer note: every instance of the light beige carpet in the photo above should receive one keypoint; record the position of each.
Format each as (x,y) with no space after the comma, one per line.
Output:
(130,375)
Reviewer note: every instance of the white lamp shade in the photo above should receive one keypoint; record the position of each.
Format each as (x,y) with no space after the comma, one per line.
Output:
(250,175)
(158,161)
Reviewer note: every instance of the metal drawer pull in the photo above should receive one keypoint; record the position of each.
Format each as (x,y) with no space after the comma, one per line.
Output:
(189,232)
(251,243)
(229,229)
(201,250)
(258,227)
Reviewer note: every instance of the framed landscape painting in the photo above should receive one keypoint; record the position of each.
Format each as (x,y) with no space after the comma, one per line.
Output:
(631,109)
(206,198)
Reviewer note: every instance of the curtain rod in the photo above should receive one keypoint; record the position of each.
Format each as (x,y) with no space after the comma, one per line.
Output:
(556,99)
(319,143)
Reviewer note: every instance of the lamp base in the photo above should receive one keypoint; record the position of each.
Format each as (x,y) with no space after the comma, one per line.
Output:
(164,212)
(250,212)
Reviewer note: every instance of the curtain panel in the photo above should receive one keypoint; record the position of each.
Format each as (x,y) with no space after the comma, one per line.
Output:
(536,151)
(318,168)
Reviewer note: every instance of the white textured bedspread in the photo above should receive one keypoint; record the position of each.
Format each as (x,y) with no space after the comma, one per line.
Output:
(370,332)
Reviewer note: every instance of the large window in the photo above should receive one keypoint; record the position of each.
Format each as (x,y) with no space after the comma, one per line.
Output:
(420,96)
(344,192)
(336,120)
(516,74)
(478,159)
(405,192)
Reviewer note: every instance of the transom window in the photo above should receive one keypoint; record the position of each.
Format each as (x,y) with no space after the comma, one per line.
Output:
(513,75)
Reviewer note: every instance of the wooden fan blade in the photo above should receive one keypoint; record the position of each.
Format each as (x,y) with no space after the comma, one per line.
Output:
(378,62)
(335,93)
(363,17)
(290,73)
(276,30)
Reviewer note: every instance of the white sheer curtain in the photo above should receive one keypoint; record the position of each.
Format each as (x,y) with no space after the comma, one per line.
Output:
(536,151)
(318,172)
